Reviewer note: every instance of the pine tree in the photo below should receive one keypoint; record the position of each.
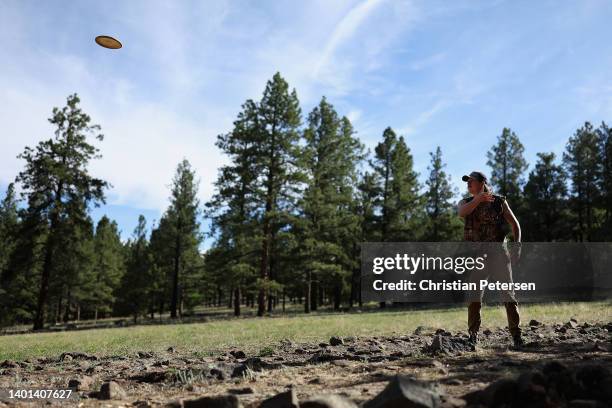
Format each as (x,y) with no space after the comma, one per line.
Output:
(107,266)
(57,185)
(134,287)
(161,268)
(185,237)
(545,195)
(9,224)
(328,226)
(583,164)
(507,162)
(443,224)
(401,207)
(72,270)
(233,207)
(365,205)
(277,156)
(604,134)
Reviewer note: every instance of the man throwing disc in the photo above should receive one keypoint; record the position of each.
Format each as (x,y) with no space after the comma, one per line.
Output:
(484,214)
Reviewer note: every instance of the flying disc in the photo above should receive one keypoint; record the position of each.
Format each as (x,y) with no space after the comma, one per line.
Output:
(108,42)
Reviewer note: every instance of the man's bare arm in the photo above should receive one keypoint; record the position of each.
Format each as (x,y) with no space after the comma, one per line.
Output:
(465,209)
(511,219)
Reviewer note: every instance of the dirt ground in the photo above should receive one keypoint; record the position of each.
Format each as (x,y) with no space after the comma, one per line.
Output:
(355,367)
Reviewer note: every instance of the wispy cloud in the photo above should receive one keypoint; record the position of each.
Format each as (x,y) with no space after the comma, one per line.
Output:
(344,31)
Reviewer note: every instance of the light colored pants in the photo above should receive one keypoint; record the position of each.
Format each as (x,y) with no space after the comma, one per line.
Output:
(498,268)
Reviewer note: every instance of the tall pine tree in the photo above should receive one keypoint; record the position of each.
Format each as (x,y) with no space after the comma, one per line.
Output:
(57,185)
(583,164)
(185,236)
(107,267)
(401,206)
(443,224)
(135,283)
(277,157)
(545,194)
(507,163)
(328,225)
(233,207)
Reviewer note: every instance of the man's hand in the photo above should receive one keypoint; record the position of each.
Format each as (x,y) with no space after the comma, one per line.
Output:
(484,197)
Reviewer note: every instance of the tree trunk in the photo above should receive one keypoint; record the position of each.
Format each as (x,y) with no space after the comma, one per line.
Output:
(175,276)
(237,301)
(39,320)
(314,293)
(263,274)
(337,296)
(307,293)
(67,310)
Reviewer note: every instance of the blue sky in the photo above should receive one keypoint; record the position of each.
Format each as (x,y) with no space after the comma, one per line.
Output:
(448,73)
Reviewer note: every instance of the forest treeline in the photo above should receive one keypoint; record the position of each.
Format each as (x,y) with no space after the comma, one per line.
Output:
(289,211)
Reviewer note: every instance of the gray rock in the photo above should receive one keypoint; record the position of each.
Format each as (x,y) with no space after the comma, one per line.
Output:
(287,399)
(335,341)
(241,391)
(254,364)
(220,401)
(111,390)
(403,391)
(81,384)
(328,401)
(449,345)
(572,324)
(9,364)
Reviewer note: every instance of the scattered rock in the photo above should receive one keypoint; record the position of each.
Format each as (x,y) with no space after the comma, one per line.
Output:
(336,341)
(77,356)
(534,323)
(145,354)
(171,349)
(287,399)
(9,364)
(111,390)
(238,354)
(81,384)
(328,401)
(448,345)
(253,364)
(150,377)
(572,324)
(241,391)
(403,391)
(221,401)
(554,385)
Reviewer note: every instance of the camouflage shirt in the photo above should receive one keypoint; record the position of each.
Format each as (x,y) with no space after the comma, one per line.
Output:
(486,222)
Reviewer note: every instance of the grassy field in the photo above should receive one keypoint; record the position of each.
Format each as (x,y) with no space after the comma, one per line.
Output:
(255,334)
